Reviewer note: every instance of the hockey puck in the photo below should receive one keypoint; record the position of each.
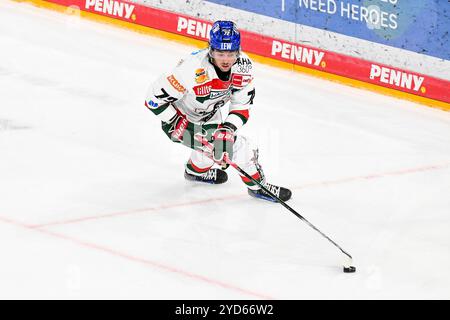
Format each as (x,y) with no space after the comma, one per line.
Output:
(350,269)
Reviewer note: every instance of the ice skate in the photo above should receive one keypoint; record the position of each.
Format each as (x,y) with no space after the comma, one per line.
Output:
(212,176)
(282,193)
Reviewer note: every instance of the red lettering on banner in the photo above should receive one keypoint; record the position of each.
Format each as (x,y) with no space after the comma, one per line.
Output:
(330,62)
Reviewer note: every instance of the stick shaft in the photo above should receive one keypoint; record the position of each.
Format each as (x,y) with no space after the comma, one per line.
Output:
(209,147)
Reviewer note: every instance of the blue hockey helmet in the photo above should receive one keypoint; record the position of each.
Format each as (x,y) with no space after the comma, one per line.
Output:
(224,36)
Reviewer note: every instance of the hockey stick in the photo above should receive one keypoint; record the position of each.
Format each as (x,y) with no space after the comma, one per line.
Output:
(348,267)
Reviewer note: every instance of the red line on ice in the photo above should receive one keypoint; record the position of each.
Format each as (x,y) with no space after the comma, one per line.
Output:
(141,210)
(144,261)
(236,196)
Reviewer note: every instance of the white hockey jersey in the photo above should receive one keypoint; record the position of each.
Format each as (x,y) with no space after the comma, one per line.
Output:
(195,89)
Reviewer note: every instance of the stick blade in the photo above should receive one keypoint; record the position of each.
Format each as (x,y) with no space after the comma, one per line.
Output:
(349,269)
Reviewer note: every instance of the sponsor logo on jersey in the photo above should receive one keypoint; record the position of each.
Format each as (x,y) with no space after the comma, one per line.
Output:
(203,90)
(297,53)
(241,80)
(209,112)
(217,94)
(151,104)
(201,75)
(174,82)
(396,78)
(112,7)
(244,65)
(212,90)
(193,27)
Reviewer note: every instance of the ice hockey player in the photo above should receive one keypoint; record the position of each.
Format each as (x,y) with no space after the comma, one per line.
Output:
(187,101)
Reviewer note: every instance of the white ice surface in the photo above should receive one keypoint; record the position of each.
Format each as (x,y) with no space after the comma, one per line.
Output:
(93,203)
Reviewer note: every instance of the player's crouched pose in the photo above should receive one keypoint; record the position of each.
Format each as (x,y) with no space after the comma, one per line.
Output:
(188,100)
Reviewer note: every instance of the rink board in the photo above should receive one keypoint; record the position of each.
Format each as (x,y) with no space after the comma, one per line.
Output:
(357,72)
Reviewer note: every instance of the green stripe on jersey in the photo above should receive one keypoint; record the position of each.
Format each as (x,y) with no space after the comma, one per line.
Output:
(244,119)
(160,109)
